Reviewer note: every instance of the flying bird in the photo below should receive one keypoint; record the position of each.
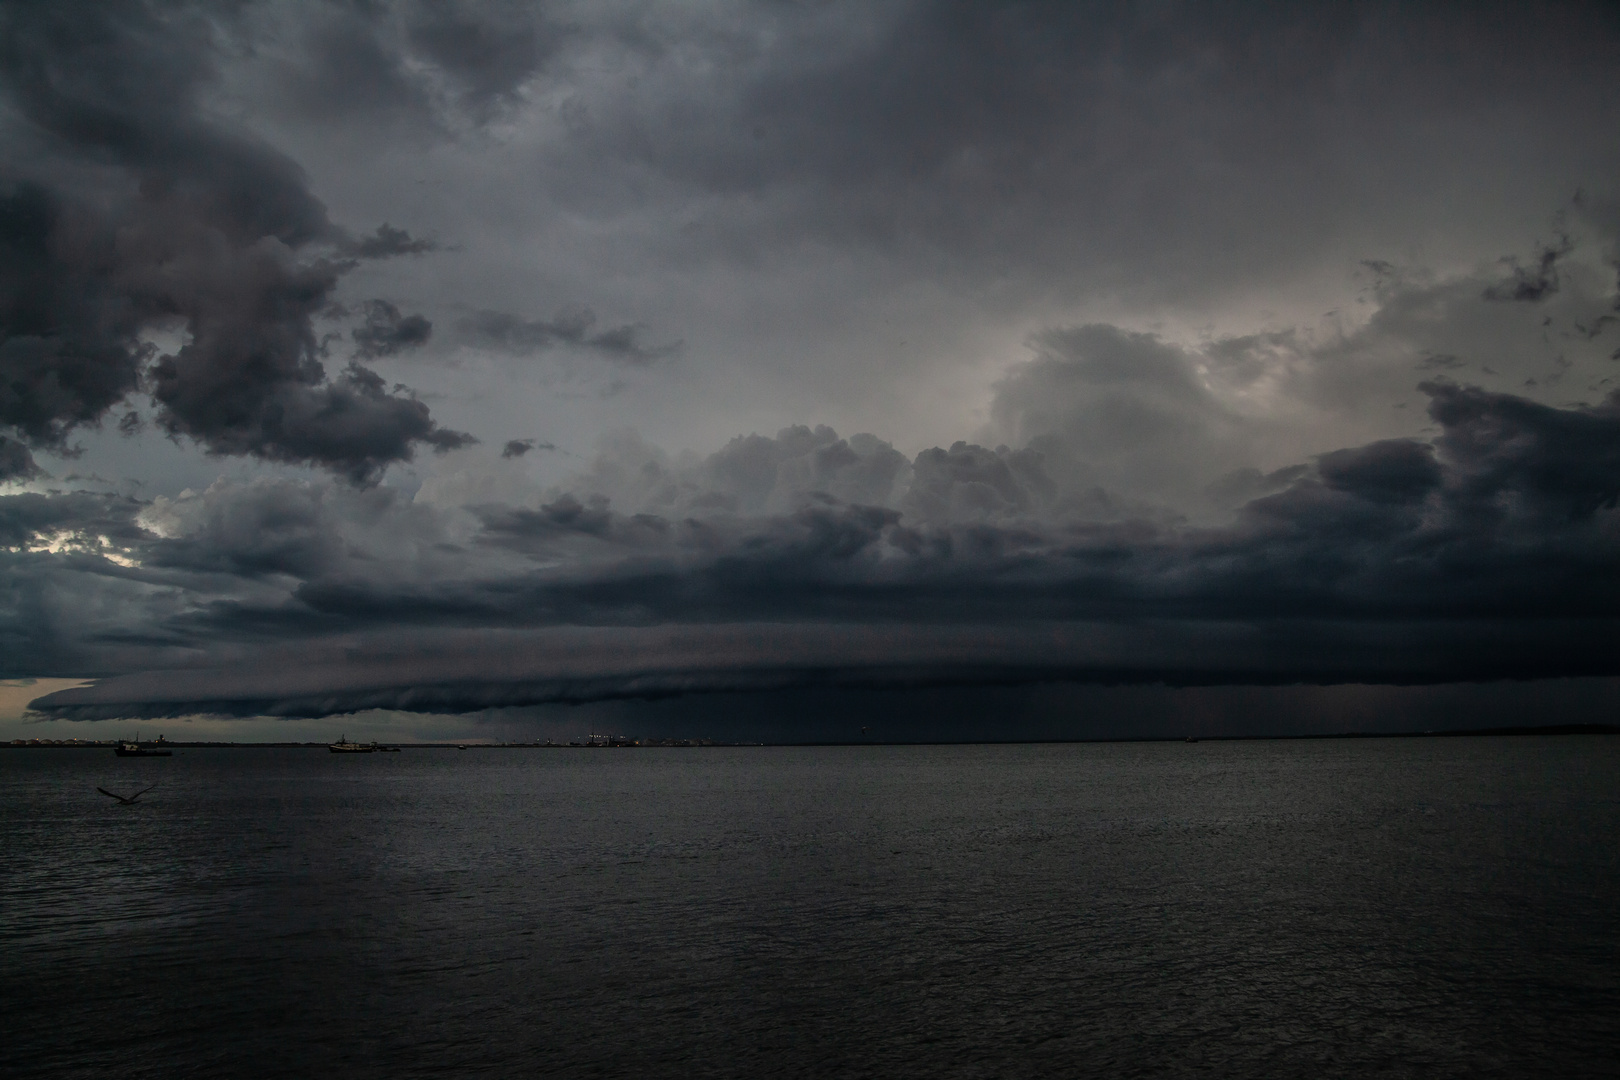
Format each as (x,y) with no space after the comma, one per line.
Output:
(123,801)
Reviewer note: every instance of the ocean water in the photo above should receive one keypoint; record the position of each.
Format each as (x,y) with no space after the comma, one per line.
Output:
(1399,907)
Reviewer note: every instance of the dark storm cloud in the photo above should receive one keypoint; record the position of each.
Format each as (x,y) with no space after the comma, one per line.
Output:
(1534,282)
(249,381)
(1163,149)
(63,601)
(968,482)
(516,448)
(118,84)
(1559,464)
(488,50)
(68,335)
(438,64)
(388,331)
(1489,553)
(751,474)
(1393,471)
(1158,148)
(16,463)
(1508,515)
(172,221)
(388,242)
(30,516)
(265,530)
(570,328)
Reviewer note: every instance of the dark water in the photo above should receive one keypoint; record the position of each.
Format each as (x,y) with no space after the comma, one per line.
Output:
(1422,907)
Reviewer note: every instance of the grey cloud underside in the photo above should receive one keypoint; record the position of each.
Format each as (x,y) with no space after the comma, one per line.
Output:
(387,330)
(516,448)
(387,242)
(1534,282)
(1170,149)
(1158,150)
(573,328)
(141,214)
(438,64)
(1489,553)
(16,463)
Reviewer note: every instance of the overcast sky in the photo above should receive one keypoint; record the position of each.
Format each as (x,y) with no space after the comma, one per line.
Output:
(456,357)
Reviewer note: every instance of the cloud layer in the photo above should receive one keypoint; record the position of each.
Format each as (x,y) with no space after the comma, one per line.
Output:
(1179,342)
(1489,552)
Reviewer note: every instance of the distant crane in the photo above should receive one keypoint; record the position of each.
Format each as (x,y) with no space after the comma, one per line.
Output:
(123,801)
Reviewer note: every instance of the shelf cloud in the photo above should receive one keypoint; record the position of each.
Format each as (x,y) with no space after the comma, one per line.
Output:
(1486,552)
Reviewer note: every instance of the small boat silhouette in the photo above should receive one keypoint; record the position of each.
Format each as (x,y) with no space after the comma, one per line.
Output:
(137,748)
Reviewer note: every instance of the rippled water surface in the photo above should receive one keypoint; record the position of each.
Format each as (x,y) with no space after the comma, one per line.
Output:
(1423,907)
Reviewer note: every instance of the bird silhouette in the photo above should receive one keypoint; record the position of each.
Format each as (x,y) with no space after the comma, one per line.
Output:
(123,801)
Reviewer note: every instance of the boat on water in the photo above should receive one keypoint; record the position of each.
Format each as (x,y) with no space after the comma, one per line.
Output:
(344,746)
(159,748)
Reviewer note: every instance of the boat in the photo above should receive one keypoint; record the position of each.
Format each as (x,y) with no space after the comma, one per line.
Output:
(344,746)
(137,748)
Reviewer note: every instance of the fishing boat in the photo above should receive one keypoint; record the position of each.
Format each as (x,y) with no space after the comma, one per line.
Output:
(137,748)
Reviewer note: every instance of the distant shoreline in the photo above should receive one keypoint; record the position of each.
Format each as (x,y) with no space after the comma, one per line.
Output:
(690,744)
